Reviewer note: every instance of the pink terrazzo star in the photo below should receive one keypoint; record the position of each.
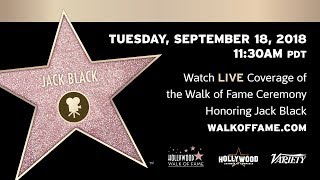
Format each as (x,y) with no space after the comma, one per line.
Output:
(103,123)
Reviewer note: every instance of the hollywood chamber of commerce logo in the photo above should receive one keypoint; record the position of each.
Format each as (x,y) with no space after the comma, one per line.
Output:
(238,158)
(185,157)
(288,158)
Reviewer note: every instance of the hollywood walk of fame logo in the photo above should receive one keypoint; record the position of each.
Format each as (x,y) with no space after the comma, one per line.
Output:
(72,93)
(185,157)
(238,159)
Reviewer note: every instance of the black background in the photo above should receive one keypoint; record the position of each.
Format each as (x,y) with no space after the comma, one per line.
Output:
(157,123)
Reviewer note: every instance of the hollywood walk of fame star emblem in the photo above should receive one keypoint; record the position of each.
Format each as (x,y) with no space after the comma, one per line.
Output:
(198,156)
(73,93)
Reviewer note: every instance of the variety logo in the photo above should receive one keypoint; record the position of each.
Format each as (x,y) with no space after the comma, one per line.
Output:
(238,159)
(288,158)
(185,157)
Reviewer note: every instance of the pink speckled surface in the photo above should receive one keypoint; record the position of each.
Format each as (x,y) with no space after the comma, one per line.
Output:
(102,122)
